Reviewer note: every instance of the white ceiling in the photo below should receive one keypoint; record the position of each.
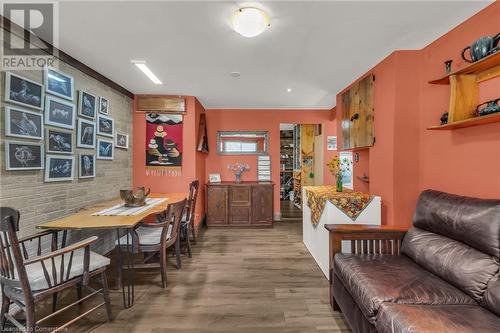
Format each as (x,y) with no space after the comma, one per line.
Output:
(315,48)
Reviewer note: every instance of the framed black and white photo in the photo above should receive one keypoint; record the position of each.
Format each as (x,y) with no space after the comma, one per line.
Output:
(59,83)
(22,123)
(59,141)
(23,91)
(86,166)
(59,112)
(105,126)
(121,140)
(87,105)
(105,149)
(59,168)
(103,105)
(85,134)
(23,155)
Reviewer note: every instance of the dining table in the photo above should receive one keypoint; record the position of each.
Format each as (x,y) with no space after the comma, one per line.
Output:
(89,218)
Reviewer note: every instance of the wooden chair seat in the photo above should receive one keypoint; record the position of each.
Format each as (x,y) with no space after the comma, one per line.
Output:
(146,236)
(37,278)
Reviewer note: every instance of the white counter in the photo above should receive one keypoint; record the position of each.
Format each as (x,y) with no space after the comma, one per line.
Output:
(316,238)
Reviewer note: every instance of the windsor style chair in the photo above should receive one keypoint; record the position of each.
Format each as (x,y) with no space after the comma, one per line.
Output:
(187,225)
(27,275)
(153,238)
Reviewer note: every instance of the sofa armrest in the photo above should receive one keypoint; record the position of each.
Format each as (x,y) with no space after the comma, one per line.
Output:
(364,239)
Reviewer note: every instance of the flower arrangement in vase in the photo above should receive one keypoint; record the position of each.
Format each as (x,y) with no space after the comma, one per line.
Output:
(336,171)
(238,169)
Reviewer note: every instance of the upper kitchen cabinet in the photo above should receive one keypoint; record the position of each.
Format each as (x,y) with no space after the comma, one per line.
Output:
(357,114)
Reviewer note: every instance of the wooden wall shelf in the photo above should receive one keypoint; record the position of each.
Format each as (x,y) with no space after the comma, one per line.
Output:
(491,118)
(485,69)
(464,93)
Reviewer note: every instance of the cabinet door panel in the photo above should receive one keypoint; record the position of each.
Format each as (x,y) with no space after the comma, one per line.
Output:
(240,215)
(217,208)
(240,195)
(357,114)
(262,204)
(364,136)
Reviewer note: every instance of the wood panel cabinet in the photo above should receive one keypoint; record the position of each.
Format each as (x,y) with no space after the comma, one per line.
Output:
(262,207)
(217,205)
(246,204)
(357,114)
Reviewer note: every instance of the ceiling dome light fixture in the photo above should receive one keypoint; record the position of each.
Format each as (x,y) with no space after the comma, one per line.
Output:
(250,21)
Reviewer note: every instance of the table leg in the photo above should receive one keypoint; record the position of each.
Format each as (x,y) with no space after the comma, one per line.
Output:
(128,286)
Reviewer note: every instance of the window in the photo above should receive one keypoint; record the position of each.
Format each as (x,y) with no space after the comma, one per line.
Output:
(242,143)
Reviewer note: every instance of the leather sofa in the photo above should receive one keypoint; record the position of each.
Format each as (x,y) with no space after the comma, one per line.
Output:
(442,275)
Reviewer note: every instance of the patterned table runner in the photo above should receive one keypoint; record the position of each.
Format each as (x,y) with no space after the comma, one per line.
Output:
(121,210)
(348,201)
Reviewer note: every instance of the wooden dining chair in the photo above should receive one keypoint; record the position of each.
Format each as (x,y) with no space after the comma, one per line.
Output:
(26,278)
(187,224)
(153,238)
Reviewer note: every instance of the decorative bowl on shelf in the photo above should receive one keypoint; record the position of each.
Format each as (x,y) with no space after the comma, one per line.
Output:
(134,198)
(488,107)
(481,48)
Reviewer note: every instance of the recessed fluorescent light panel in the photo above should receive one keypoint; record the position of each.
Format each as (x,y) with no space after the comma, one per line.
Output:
(145,69)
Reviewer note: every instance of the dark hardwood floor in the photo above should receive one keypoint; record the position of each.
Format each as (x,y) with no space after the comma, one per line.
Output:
(245,280)
(289,211)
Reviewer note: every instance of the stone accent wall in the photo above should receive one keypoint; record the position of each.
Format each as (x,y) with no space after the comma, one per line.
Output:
(39,201)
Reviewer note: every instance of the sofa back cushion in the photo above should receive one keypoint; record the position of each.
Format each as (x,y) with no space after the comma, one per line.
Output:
(473,221)
(491,299)
(457,263)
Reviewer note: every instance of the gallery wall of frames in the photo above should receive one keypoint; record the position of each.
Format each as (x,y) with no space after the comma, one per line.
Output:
(65,142)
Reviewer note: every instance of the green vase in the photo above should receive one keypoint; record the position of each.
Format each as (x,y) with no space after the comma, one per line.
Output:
(339,183)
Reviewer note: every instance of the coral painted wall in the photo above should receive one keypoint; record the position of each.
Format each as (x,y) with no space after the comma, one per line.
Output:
(193,162)
(407,158)
(465,161)
(261,120)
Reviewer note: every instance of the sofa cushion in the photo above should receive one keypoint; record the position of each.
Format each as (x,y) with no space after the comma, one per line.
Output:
(491,299)
(374,279)
(404,318)
(455,262)
(147,236)
(473,221)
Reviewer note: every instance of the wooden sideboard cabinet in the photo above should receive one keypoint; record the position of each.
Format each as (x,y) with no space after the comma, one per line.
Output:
(245,204)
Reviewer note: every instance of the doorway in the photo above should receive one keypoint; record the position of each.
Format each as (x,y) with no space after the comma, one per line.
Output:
(301,164)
